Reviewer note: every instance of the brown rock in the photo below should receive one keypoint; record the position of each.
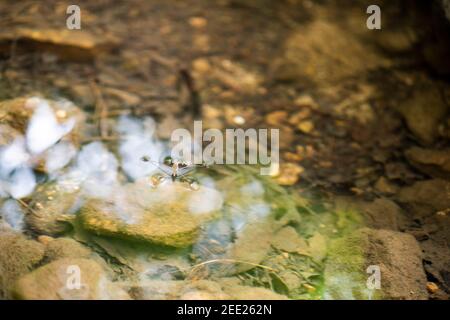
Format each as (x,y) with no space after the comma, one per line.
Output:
(79,45)
(397,255)
(18,256)
(423,112)
(383,185)
(65,248)
(434,194)
(382,214)
(435,163)
(322,52)
(287,239)
(50,282)
(289,174)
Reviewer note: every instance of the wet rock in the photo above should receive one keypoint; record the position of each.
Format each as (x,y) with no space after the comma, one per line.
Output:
(287,239)
(432,287)
(423,111)
(252,293)
(169,215)
(317,247)
(55,281)
(322,52)
(52,209)
(277,118)
(202,290)
(397,40)
(246,249)
(18,256)
(397,255)
(65,248)
(433,195)
(68,45)
(435,163)
(384,186)
(289,174)
(382,214)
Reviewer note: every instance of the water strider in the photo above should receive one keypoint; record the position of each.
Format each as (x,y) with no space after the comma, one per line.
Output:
(175,170)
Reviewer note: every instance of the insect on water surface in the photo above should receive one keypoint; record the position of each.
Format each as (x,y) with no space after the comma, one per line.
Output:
(173,169)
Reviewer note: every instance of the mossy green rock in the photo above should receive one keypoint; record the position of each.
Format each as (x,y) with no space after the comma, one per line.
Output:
(55,281)
(353,259)
(169,215)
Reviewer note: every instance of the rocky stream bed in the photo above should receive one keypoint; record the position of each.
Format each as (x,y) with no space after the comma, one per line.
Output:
(363,181)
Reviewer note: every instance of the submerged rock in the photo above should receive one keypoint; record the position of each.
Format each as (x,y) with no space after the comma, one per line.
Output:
(58,281)
(431,195)
(251,246)
(202,290)
(287,239)
(18,256)
(65,248)
(423,112)
(382,213)
(435,163)
(320,51)
(53,206)
(397,255)
(170,215)
(67,45)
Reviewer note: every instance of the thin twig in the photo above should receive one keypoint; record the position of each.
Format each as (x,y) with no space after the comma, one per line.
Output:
(231,261)
(101,110)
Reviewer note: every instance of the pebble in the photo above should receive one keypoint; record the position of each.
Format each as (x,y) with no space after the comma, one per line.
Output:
(45,239)
(289,174)
(198,22)
(432,287)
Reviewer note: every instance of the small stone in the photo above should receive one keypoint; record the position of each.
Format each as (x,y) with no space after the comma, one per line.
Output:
(239,120)
(432,287)
(201,65)
(306,101)
(289,174)
(383,185)
(299,116)
(198,22)
(45,240)
(276,118)
(306,126)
